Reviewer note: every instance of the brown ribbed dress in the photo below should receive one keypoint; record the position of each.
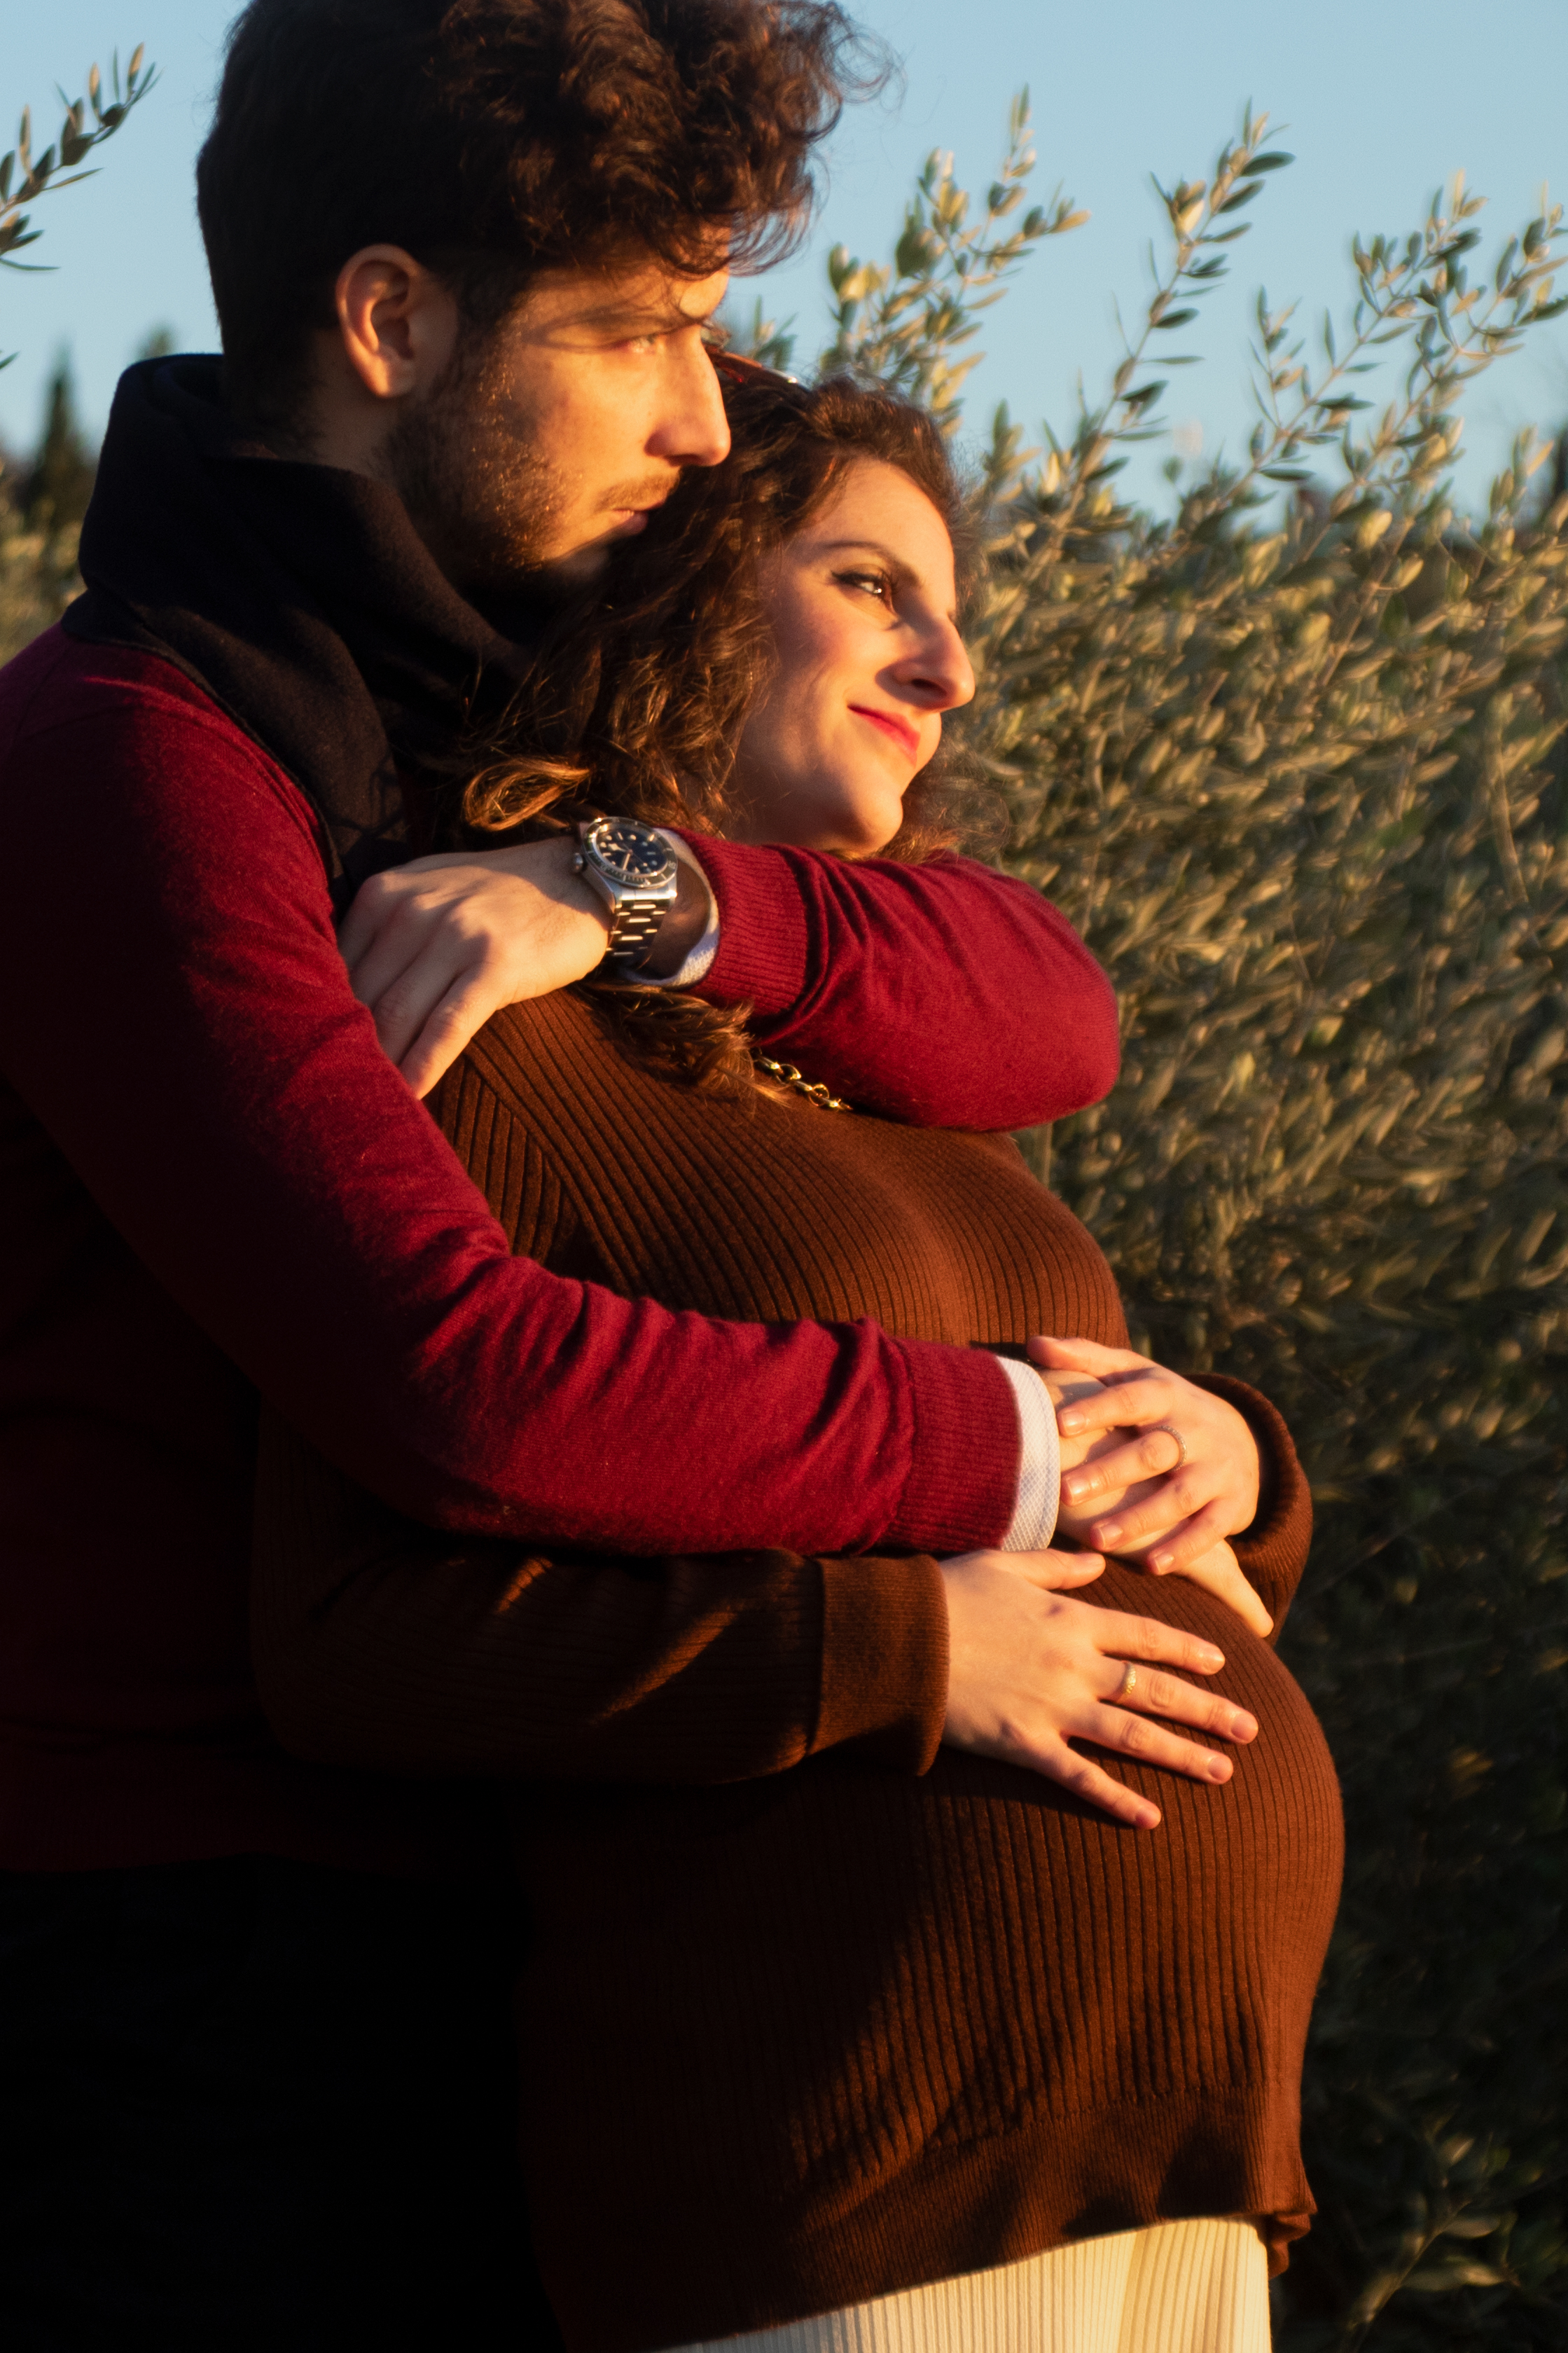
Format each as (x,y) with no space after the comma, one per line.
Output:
(816,2008)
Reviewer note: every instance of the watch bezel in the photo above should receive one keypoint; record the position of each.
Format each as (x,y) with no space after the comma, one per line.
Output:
(633,885)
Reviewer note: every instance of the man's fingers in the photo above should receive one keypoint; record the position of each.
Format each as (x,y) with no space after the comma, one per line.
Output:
(1166,1507)
(404,1011)
(1178,1547)
(1127,1400)
(1082,1356)
(382,963)
(460,1016)
(1150,1455)
(367,917)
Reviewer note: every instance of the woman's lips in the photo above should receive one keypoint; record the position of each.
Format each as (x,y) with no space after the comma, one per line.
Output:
(903,733)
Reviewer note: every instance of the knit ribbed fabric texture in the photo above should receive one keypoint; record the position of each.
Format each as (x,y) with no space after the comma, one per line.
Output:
(761,930)
(816,2011)
(1178,2288)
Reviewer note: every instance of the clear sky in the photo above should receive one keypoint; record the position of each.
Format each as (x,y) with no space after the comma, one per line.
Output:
(1382,100)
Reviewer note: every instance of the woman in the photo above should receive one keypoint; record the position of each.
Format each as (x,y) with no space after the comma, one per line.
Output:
(835,2025)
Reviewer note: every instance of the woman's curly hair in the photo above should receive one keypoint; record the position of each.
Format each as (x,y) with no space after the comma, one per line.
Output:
(636,700)
(495,139)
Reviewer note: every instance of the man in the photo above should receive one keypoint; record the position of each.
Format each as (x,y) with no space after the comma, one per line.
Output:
(465,256)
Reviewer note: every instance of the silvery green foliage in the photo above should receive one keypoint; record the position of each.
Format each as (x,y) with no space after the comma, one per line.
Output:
(37,560)
(26,177)
(38,576)
(1293,759)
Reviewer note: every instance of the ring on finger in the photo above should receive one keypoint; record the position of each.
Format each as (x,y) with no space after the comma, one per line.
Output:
(1127,1686)
(1172,1431)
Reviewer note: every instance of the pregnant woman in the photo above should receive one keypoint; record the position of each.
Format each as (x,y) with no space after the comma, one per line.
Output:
(903,1972)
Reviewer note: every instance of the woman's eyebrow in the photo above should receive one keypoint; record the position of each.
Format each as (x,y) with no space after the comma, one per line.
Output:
(897,565)
(902,571)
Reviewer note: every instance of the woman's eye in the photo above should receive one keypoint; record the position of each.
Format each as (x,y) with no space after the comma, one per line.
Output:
(874,584)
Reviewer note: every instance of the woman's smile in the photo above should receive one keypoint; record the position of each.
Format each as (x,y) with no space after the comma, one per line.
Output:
(899,730)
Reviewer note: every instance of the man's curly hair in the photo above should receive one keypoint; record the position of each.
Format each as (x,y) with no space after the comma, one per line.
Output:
(493,139)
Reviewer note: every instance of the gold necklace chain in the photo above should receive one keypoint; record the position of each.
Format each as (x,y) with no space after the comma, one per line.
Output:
(787,1075)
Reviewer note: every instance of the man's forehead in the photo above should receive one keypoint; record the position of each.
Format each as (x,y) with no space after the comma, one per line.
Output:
(636,296)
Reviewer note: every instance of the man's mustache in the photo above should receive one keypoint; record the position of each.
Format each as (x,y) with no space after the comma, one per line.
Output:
(651,491)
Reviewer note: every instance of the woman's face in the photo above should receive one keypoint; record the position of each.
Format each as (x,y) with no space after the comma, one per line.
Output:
(860,604)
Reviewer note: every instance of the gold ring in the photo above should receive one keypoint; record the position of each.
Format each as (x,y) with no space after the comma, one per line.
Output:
(1171,1431)
(1127,1686)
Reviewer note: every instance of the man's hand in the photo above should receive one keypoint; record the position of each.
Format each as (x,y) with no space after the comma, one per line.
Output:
(1092,1502)
(1194,1451)
(436,947)
(1032,1670)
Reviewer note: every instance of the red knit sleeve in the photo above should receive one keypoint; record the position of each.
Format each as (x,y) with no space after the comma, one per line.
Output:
(946,995)
(175,1013)
(379,1644)
(1273,1551)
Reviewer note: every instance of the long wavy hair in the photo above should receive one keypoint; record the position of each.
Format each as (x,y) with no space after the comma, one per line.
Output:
(636,700)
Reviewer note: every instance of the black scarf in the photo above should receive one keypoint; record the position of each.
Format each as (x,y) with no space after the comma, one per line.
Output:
(298,596)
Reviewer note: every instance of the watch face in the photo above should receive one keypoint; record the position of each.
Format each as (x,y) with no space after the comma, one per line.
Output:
(629,853)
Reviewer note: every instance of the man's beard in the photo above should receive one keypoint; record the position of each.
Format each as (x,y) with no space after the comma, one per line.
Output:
(466,464)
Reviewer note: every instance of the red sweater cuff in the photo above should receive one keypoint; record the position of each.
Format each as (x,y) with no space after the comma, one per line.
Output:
(962,1487)
(763,938)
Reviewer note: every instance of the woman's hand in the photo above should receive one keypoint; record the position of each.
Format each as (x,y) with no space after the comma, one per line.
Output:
(1196,1449)
(1031,1670)
(1220,1573)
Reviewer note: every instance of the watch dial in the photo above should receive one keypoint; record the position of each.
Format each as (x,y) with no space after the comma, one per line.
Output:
(632,852)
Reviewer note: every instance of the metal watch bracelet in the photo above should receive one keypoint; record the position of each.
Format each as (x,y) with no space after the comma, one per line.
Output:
(634,928)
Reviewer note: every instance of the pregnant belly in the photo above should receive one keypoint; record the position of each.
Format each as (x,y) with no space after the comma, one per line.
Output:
(860,1970)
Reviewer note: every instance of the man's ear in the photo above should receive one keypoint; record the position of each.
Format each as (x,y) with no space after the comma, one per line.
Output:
(398,322)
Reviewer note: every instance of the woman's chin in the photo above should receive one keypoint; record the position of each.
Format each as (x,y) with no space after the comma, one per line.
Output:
(856,824)
(864,824)
(855,841)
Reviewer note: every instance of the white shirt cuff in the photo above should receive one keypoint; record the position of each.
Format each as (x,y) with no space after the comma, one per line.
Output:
(1039,1462)
(700,957)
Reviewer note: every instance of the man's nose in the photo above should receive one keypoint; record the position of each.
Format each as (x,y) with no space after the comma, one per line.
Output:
(693,429)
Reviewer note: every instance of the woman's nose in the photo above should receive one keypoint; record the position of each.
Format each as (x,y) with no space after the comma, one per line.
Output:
(939,666)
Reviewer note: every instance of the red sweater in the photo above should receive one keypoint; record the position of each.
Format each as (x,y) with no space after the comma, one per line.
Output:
(213,1183)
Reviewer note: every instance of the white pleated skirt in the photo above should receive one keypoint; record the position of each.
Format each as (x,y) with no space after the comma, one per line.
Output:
(1177,2287)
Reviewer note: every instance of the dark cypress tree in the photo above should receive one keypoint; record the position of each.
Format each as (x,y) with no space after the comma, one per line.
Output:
(58,484)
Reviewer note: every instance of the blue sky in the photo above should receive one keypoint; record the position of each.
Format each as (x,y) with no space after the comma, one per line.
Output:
(1382,100)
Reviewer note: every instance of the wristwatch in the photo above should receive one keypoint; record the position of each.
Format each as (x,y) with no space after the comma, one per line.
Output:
(636,874)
